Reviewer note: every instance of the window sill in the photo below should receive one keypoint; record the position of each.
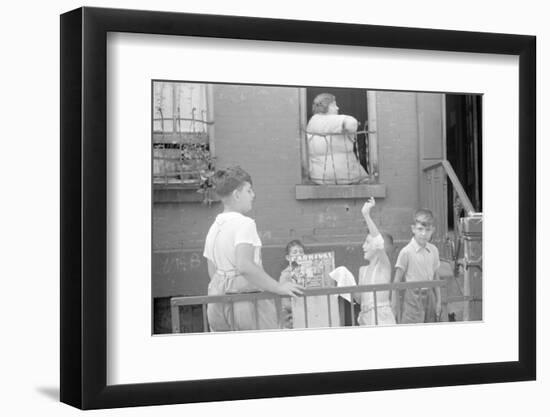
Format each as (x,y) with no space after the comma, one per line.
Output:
(177,194)
(313,192)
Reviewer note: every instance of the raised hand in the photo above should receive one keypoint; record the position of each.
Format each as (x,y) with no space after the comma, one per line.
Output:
(370,203)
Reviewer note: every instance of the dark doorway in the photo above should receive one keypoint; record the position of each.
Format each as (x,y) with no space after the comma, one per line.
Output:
(351,101)
(464,145)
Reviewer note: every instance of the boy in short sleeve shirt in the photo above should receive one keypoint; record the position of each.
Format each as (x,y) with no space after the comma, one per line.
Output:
(233,252)
(419,261)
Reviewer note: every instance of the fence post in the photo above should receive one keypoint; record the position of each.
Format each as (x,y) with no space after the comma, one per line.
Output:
(305,312)
(398,305)
(352,309)
(175,313)
(205,326)
(375,308)
(256,315)
(329,311)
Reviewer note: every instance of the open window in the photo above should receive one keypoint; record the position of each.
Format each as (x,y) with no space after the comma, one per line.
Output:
(361,148)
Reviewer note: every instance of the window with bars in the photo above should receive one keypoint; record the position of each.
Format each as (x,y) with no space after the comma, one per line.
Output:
(333,155)
(182,134)
(341,161)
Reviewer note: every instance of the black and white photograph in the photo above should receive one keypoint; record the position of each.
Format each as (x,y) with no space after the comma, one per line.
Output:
(299,207)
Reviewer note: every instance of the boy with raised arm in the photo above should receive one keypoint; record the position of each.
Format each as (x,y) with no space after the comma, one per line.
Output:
(378,271)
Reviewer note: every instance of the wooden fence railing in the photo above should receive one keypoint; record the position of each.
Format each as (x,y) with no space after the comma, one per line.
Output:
(353,291)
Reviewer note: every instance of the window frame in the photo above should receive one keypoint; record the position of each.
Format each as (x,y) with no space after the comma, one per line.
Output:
(308,190)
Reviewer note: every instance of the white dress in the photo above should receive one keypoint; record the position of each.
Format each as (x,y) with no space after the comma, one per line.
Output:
(330,150)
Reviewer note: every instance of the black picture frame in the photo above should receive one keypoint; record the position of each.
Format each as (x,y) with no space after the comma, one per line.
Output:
(84,207)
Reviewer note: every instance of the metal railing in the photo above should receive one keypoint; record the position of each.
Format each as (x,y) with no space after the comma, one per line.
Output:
(180,162)
(353,291)
(361,152)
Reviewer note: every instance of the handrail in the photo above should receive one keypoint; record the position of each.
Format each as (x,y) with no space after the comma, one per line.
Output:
(466,203)
(309,292)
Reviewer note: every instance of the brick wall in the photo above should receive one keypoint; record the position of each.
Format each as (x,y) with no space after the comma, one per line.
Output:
(398,160)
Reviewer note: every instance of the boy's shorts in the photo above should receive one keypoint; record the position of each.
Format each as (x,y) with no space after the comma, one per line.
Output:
(240,315)
(419,306)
